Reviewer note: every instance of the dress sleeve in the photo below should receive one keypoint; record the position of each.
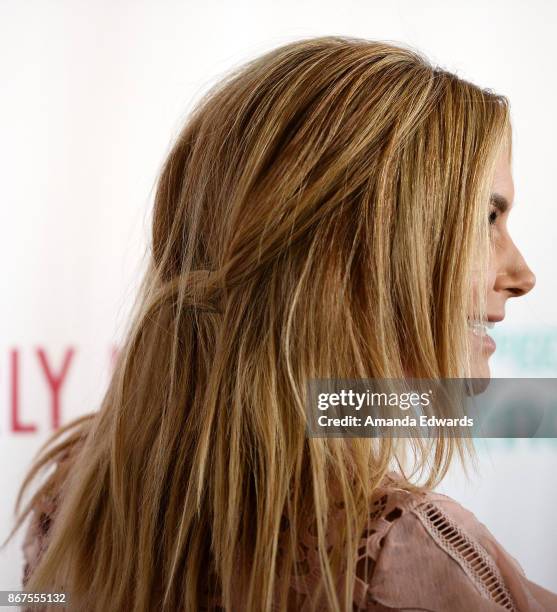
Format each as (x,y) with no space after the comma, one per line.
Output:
(43,513)
(36,535)
(426,552)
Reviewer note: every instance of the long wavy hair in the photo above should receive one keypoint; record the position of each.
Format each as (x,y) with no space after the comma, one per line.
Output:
(321,214)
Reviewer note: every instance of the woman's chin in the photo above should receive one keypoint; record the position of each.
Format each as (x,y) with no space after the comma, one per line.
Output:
(480,368)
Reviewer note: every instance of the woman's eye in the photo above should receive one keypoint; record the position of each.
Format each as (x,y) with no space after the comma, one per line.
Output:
(493,217)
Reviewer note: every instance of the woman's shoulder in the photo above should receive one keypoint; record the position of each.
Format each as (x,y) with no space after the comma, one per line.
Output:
(423,550)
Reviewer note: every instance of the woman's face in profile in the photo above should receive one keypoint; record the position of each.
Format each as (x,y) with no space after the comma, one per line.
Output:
(508,274)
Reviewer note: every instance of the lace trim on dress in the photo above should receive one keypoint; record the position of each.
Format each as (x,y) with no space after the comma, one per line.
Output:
(470,555)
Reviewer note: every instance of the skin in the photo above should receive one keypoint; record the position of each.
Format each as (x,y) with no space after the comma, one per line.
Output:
(509,275)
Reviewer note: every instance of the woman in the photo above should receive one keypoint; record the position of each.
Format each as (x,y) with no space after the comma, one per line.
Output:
(335,207)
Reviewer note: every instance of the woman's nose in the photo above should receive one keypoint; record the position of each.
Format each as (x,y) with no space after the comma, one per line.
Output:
(515,277)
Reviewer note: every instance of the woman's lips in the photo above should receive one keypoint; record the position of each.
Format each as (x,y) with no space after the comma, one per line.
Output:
(489,343)
(479,331)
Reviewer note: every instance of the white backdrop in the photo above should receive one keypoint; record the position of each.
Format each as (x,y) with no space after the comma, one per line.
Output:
(92,94)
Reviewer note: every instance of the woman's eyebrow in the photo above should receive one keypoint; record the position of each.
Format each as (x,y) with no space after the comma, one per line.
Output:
(500,202)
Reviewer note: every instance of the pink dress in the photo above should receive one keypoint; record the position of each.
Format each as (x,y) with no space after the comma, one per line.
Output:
(421,552)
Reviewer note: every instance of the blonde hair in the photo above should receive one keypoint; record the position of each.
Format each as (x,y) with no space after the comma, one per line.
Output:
(320,215)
